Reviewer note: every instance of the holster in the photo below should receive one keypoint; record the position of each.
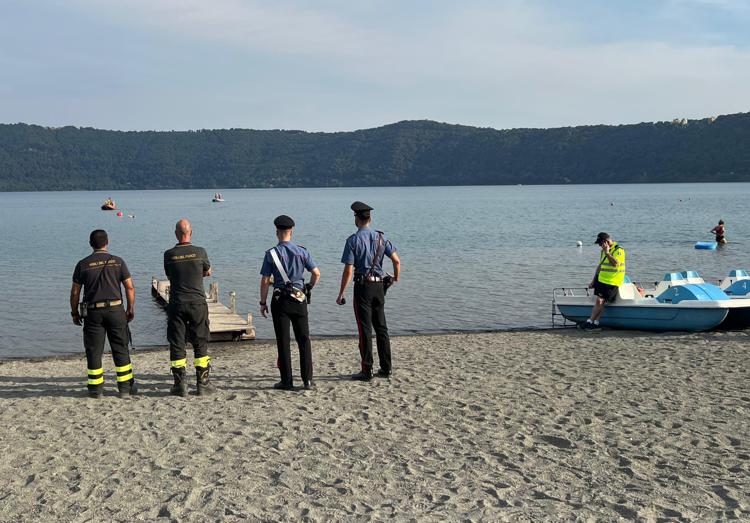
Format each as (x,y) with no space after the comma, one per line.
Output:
(387,282)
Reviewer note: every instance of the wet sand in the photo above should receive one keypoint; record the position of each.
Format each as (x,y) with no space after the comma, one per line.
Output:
(521,426)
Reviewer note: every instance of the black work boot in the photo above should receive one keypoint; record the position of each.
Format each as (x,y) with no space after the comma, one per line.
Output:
(95,391)
(204,386)
(362,376)
(180,387)
(126,388)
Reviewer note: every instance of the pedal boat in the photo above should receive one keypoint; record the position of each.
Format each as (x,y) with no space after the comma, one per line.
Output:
(108,207)
(737,286)
(673,305)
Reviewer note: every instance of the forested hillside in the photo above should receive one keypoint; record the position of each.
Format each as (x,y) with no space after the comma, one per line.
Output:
(405,153)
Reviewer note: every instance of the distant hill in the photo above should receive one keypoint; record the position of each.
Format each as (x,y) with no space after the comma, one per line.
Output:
(401,154)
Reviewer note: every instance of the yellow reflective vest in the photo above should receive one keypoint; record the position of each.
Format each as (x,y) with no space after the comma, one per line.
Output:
(608,273)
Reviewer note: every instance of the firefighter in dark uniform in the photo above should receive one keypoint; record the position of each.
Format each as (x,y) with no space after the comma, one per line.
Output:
(186,265)
(102,314)
(287,263)
(363,259)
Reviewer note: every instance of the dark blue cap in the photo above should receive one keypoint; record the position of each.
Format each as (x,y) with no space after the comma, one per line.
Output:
(283,222)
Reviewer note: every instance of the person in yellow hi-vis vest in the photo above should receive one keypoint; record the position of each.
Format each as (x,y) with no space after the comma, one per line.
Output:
(609,275)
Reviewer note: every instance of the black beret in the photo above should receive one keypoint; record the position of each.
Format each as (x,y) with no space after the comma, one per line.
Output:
(283,222)
(361,208)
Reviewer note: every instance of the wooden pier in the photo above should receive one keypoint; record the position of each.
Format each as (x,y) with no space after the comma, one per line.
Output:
(224,322)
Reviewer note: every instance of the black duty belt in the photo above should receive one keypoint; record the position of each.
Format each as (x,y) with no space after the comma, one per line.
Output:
(361,278)
(284,290)
(104,304)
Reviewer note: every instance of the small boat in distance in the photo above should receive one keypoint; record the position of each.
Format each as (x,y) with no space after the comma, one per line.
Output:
(218,198)
(109,205)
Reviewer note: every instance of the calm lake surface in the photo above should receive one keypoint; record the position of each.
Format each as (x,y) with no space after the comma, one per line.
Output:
(473,257)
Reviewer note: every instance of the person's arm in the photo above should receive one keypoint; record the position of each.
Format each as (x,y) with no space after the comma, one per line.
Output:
(265,282)
(614,261)
(312,269)
(346,277)
(75,294)
(396,266)
(314,277)
(130,295)
(207,269)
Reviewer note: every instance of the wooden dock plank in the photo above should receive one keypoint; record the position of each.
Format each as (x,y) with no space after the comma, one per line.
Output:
(224,323)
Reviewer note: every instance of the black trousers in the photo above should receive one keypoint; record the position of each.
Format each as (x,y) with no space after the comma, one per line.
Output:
(107,323)
(187,322)
(287,311)
(369,310)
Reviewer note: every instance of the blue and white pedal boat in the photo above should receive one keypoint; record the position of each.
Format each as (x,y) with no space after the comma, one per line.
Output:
(737,286)
(674,305)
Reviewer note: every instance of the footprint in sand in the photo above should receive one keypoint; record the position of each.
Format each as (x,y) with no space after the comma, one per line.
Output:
(556,441)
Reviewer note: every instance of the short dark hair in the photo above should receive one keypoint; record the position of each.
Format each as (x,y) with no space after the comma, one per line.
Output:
(721,222)
(98,239)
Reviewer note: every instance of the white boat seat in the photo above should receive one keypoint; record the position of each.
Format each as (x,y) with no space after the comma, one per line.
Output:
(670,279)
(627,291)
(734,276)
(692,277)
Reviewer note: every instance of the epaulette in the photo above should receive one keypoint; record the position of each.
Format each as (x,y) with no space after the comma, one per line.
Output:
(301,246)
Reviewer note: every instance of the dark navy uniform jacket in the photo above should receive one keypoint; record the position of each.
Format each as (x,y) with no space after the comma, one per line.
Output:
(294,258)
(360,250)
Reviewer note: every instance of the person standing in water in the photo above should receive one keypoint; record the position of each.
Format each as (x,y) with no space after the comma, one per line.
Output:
(719,232)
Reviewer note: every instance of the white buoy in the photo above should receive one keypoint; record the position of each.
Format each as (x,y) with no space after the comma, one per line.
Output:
(579,243)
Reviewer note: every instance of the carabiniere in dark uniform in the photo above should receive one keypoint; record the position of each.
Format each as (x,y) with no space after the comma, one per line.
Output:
(363,259)
(102,315)
(287,263)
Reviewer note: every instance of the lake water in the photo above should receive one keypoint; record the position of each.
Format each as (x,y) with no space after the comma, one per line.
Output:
(473,258)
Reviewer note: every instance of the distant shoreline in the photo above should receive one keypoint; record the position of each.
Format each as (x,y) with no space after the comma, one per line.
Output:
(306,187)
(403,154)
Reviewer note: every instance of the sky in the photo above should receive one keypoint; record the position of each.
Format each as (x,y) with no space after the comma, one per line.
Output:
(334,65)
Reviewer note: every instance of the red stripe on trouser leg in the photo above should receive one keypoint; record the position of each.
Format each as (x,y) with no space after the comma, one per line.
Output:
(361,337)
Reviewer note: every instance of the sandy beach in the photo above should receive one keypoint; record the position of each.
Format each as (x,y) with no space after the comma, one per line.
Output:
(515,426)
